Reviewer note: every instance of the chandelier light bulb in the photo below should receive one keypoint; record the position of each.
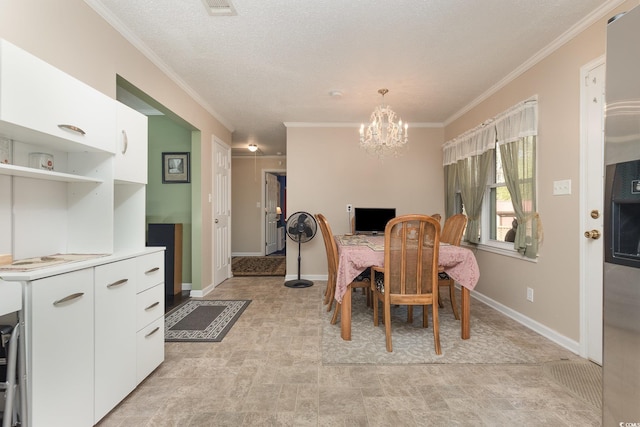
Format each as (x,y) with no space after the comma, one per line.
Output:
(253,148)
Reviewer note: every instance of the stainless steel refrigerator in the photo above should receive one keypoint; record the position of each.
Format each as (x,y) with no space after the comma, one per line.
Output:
(621,356)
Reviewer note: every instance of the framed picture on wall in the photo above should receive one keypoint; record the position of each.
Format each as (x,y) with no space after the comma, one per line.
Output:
(175,168)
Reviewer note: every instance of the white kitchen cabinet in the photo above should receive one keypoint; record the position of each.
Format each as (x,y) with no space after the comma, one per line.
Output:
(55,109)
(60,341)
(87,346)
(131,148)
(69,209)
(115,336)
(150,314)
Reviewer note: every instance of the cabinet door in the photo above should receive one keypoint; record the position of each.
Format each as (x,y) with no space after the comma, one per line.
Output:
(61,350)
(59,108)
(115,334)
(131,145)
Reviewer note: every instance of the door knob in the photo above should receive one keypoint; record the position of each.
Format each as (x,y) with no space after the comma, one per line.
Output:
(216,221)
(593,234)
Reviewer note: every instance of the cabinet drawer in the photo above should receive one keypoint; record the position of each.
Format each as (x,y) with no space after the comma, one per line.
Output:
(150,270)
(150,349)
(116,275)
(150,306)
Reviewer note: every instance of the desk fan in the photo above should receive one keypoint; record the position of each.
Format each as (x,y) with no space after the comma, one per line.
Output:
(301,227)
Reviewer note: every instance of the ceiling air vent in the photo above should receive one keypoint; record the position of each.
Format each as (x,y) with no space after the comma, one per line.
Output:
(219,7)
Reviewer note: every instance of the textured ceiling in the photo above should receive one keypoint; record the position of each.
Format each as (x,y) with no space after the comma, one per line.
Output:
(277,61)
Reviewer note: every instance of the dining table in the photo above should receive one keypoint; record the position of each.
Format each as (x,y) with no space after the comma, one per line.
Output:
(357,253)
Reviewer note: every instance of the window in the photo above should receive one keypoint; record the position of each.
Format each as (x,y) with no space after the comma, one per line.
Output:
(498,213)
(495,169)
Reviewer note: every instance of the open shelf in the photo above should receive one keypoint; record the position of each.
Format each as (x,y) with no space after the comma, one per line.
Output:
(26,172)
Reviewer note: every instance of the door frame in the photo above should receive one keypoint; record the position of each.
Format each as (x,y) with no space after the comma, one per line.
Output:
(263,229)
(585,313)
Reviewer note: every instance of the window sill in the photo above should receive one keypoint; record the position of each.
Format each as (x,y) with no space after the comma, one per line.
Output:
(500,250)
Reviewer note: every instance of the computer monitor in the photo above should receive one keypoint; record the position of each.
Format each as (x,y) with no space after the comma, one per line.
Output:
(372,220)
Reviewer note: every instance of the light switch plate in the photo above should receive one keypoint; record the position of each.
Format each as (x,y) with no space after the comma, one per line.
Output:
(562,187)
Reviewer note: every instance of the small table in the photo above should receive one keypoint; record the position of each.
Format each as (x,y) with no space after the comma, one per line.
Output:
(357,253)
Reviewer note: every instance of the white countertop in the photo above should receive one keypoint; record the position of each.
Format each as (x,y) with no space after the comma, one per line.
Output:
(39,273)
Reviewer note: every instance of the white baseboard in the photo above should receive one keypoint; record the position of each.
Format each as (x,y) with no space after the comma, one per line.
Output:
(543,330)
(246,254)
(199,293)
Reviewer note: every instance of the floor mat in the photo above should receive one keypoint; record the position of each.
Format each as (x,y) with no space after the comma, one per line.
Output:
(582,378)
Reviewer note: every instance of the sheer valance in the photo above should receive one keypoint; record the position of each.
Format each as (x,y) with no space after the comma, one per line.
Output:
(471,143)
(519,122)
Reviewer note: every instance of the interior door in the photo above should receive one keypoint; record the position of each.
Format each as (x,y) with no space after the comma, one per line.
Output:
(591,216)
(221,210)
(271,222)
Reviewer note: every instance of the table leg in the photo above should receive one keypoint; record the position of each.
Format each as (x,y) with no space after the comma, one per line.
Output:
(345,315)
(465,323)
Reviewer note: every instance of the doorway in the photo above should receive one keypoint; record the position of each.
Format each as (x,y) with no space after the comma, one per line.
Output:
(275,209)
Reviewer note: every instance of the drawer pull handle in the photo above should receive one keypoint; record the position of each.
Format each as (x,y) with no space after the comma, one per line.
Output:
(68,298)
(72,128)
(152,305)
(125,142)
(118,283)
(156,329)
(153,270)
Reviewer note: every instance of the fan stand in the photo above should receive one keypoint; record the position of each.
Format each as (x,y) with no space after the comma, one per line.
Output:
(298,283)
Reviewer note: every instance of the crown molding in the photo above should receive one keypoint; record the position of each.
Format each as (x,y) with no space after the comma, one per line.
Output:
(567,36)
(125,32)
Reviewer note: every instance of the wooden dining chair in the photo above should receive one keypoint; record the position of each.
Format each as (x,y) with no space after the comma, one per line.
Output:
(452,232)
(438,218)
(411,246)
(331,249)
(331,273)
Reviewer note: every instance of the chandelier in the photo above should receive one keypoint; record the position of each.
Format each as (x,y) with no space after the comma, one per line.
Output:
(384,135)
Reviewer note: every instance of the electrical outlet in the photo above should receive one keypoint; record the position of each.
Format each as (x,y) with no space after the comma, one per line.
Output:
(349,208)
(530,294)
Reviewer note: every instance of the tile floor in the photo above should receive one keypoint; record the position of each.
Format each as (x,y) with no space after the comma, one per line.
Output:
(268,372)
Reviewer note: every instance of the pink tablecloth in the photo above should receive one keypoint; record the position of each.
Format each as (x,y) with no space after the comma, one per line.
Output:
(357,253)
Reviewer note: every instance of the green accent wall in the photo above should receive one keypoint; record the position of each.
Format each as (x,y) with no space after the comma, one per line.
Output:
(170,203)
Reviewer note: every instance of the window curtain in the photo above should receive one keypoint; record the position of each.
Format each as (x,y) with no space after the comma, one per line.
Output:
(450,188)
(516,138)
(472,155)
